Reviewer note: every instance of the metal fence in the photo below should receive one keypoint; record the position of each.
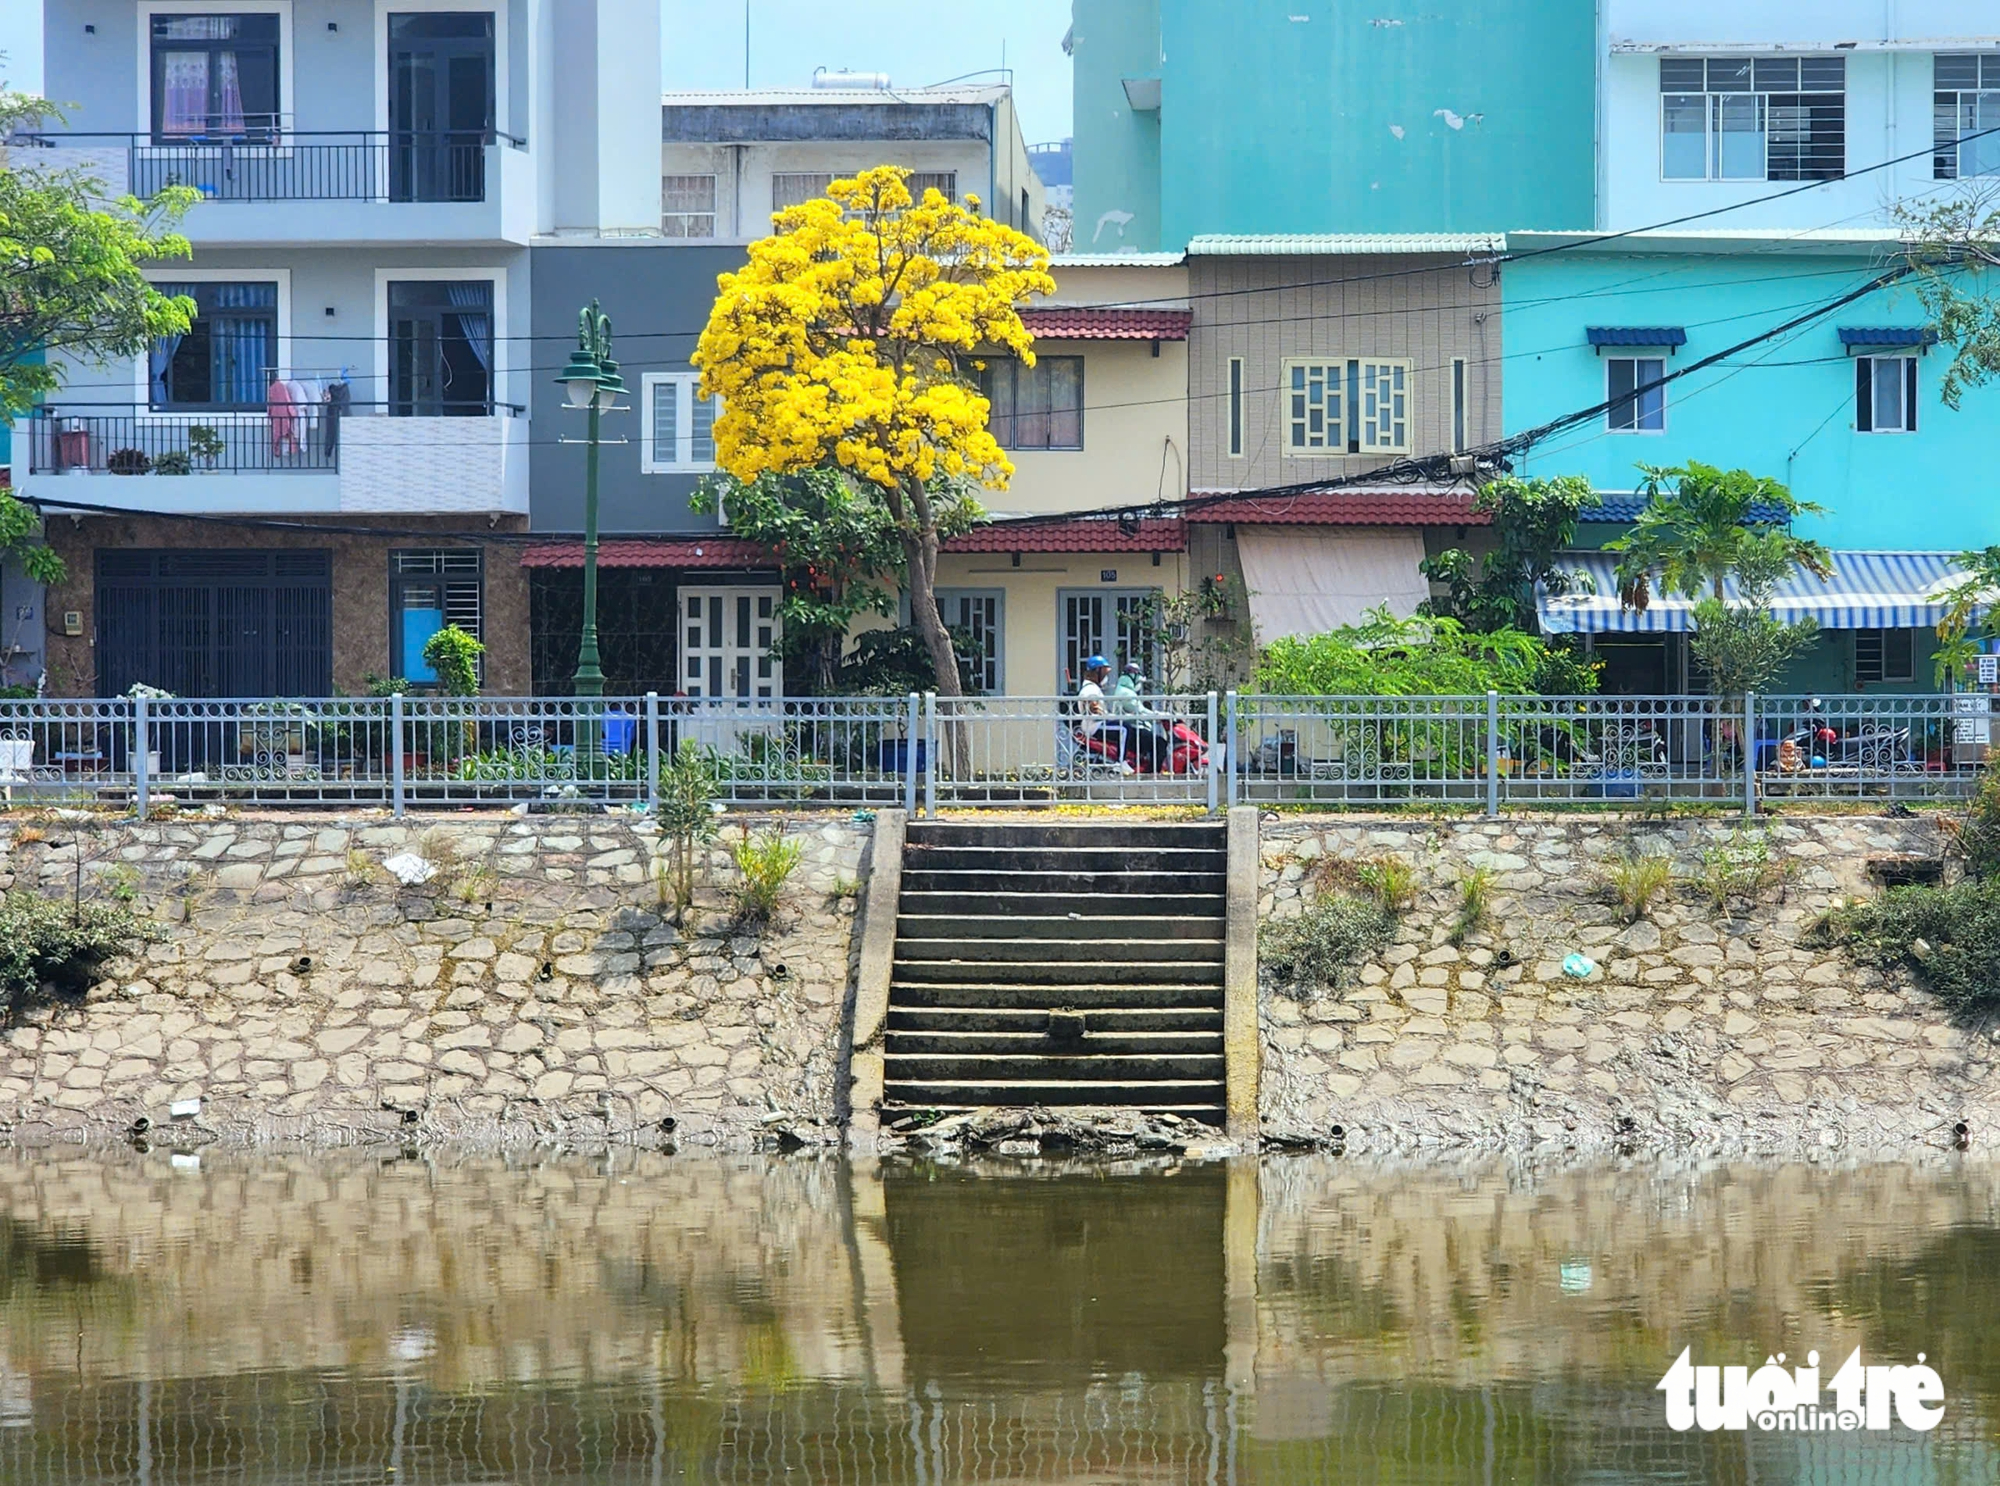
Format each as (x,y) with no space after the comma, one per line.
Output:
(136,441)
(931,753)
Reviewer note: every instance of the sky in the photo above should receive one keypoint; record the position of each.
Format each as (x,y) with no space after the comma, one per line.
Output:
(914,41)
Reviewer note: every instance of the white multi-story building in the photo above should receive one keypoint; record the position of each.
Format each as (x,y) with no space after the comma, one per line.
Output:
(372,173)
(1707,104)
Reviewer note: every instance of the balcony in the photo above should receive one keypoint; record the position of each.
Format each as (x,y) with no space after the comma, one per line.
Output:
(304,459)
(344,186)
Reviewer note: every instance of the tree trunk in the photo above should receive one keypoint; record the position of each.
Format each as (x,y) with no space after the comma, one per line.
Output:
(920,554)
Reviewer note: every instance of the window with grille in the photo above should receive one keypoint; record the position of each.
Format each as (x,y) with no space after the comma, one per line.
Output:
(1122,624)
(687,205)
(1885,655)
(1753,118)
(794,188)
(1384,406)
(1967,103)
(944,182)
(1637,406)
(676,425)
(1313,422)
(976,616)
(1036,407)
(1885,394)
(429,589)
(214,76)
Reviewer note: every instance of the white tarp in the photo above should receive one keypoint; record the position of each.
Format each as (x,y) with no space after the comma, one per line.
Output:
(1306,580)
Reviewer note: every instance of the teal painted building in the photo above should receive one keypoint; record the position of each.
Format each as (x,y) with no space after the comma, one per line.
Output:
(1198,117)
(1895,468)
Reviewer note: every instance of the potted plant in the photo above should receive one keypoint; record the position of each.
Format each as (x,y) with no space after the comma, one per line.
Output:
(173,462)
(204,444)
(128,462)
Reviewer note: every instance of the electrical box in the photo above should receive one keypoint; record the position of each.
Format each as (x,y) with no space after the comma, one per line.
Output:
(72,622)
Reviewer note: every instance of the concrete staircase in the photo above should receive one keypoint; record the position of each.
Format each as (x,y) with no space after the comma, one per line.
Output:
(1059,965)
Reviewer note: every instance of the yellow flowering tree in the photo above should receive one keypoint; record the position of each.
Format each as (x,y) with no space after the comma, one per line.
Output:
(852,338)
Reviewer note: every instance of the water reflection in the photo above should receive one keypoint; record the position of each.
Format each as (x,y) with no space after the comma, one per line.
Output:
(335,1320)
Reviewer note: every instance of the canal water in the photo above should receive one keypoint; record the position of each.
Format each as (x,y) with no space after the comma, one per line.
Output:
(440,1319)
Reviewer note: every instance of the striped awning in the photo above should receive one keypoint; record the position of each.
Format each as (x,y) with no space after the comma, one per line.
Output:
(1867,590)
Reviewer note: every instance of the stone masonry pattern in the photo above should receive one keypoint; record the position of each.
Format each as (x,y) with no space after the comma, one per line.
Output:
(531,990)
(1697,1029)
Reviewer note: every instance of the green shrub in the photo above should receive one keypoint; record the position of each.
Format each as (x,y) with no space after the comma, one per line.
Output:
(1739,868)
(453,654)
(53,949)
(689,783)
(765,863)
(1316,950)
(1475,895)
(1974,837)
(1636,881)
(1390,881)
(1388,657)
(173,462)
(1949,935)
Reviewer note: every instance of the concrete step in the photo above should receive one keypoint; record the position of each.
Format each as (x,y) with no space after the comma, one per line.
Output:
(1081,884)
(1040,835)
(1204,1044)
(1199,1099)
(1057,951)
(994,902)
(1107,859)
(1064,928)
(1017,997)
(1034,1021)
(1050,975)
(1091,1067)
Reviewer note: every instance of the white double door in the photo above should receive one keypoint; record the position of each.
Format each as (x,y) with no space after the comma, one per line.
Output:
(728,658)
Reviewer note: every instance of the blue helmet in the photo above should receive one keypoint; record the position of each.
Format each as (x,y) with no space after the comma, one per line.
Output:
(1096,663)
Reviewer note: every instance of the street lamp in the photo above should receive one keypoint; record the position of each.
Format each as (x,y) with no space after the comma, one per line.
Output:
(591,382)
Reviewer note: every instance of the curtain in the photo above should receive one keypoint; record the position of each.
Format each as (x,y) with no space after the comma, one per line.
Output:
(161,356)
(477,326)
(1306,580)
(243,360)
(228,94)
(184,93)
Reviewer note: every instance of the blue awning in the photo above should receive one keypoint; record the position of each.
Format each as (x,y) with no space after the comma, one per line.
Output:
(1636,335)
(1887,335)
(1867,590)
(1625,505)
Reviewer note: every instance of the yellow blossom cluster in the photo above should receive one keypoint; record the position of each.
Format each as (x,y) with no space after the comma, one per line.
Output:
(853,332)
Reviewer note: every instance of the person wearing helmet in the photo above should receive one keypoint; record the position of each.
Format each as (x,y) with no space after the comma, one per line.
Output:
(1094,708)
(1141,722)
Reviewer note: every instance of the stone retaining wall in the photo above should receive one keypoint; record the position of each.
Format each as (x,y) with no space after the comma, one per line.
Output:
(1696,1029)
(531,990)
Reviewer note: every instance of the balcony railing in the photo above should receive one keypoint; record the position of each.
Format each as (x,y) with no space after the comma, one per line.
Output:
(114,439)
(277,164)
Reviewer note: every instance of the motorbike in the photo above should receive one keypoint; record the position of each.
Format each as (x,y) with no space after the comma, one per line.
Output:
(1821,745)
(1163,746)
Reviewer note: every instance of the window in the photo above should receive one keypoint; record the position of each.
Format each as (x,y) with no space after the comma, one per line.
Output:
(1383,410)
(1313,422)
(976,614)
(227,355)
(676,434)
(1967,102)
(944,182)
(1122,624)
(1457,404)
(214,75)
(1885,394)
(441,348)
(1039,406)
(427,591)
(1637,406)
(687,205)
(1885,655)
(1366,413)
(795,188)
(1753,119)
(1235,407)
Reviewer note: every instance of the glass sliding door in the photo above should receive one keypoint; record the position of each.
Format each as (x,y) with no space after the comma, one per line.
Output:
(441,105)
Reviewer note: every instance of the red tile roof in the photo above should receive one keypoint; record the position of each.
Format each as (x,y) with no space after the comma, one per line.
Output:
(1084,323)
(1390,505)
(651,552)
(1089,534)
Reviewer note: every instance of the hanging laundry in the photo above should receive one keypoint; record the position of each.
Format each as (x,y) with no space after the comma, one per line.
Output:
(284,417)
(339,398)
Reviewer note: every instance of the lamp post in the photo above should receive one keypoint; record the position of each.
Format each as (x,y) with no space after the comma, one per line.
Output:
(591,382)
